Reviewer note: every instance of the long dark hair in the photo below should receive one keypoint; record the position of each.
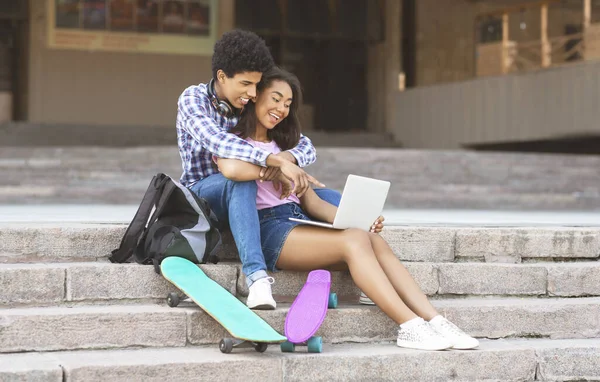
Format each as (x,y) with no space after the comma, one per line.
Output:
(287,133)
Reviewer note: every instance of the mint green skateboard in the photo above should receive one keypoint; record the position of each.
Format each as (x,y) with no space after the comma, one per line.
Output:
(247,328)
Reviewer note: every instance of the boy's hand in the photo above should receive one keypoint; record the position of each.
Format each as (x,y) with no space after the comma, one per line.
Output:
(272,173)
(377,225)
(293,173)
(299,177)
(268,174)
(282,183)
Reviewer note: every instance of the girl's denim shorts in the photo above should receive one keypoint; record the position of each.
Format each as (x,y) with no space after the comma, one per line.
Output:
(275,227)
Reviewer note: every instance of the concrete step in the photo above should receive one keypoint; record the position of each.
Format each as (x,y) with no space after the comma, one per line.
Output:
(125,326)
(28,134)
(90,171)
(501,360)
(420,179)
(102,282)
(452,196)
(62,242)
(71,283)
(123,213)
(453,167)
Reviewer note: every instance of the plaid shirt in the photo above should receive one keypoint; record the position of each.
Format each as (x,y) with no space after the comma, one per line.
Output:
(202,132)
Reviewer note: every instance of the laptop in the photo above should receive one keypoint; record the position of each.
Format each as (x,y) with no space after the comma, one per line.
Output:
(361,204)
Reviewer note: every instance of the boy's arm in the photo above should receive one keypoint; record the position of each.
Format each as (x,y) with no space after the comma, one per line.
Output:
(317,208)
(303,154)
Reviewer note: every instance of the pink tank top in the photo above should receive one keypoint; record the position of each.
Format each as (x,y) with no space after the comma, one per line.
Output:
(267,196)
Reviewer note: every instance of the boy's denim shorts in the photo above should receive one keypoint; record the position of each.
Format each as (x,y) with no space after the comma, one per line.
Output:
(275,227)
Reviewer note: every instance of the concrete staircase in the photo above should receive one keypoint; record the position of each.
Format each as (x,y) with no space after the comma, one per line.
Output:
(531,294)
(420,179)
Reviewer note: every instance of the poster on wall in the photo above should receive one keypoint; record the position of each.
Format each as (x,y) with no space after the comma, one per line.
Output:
(145,26)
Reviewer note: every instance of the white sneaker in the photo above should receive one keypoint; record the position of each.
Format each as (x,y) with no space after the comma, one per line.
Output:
(259,296)
(459,339)
(364,299)
(418,334)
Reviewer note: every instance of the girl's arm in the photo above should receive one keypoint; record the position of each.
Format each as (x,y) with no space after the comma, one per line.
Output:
(238,170)
(317,208)
(241,171)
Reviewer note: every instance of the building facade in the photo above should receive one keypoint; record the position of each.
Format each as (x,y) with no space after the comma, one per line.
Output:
(124,62)
(101,63)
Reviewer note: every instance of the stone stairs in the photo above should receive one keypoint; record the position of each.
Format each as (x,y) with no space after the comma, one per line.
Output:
(510,360)
(531,294)
(420,179)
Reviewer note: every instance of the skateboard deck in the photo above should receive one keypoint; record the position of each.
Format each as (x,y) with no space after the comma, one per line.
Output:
(247,328)
(308,312)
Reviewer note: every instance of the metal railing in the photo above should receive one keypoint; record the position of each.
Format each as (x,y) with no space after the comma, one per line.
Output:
(516,56)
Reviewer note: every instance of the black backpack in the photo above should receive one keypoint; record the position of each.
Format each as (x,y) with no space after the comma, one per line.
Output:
(182,224)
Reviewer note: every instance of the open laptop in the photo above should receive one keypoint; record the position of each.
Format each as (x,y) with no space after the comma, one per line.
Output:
(361,204)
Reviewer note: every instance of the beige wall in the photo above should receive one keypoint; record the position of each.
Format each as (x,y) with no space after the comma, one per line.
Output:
(6,106)
(383,67)
(106,88)
(550,103)
(109,88)
(444,41)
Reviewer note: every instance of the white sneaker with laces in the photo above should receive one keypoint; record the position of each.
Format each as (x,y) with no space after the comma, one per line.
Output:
(418,334)
(459,339)
(260,296)
(364,300)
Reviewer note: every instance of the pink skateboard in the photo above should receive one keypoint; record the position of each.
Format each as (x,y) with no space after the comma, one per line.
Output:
(308,312)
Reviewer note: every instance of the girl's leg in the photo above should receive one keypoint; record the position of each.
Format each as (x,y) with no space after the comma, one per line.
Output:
(402,281)
(404,284)
(414,298)
(307,248)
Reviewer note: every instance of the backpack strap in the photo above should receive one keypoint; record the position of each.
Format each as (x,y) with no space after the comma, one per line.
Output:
(168,187)
(161,240)
(138,224)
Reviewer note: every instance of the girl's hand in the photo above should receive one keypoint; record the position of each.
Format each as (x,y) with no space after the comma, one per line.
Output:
(378,225)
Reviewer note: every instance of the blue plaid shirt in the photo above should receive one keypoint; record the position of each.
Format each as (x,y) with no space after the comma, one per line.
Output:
(202,132)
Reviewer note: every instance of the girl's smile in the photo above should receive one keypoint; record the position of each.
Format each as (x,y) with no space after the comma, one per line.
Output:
(273,105)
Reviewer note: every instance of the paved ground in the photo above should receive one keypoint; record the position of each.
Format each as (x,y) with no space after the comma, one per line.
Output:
(124,213)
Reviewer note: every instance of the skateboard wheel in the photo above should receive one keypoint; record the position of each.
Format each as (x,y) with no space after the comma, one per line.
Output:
(315,345)
(333,302)
(287,347)
(226,345)
(173,299)
(261,347)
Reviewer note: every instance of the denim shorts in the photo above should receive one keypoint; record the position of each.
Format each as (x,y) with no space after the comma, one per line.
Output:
(275,227)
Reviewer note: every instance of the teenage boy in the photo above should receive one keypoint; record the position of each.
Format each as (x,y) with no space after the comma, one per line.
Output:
(206,113)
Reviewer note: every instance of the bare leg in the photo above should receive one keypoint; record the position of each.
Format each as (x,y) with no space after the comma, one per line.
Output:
(307,248)
(404,284)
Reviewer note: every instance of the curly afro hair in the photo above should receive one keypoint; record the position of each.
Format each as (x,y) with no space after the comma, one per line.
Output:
(241,51)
